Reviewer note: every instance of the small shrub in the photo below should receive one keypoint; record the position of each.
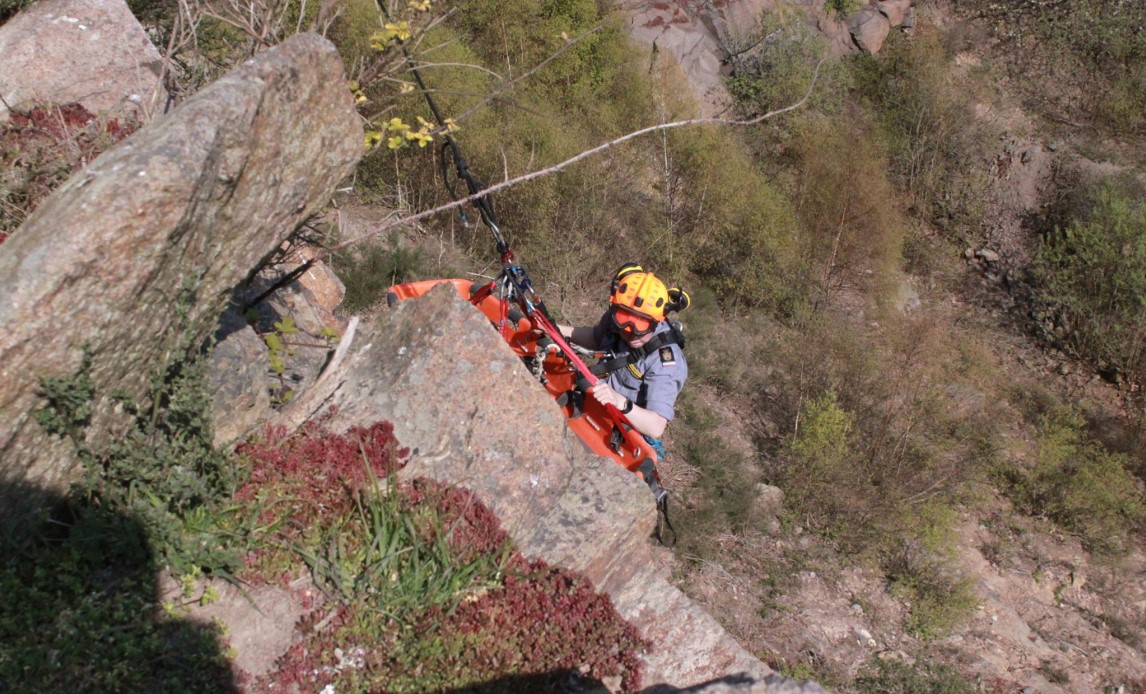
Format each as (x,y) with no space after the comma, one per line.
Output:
(163,468)
(819,479)
(368,271)
(938,597)
(723,491)
(1092,275)
(1080,485)
(737,231)
(775,65)
(935,145)
(843,8)
(853,239)
(896,677)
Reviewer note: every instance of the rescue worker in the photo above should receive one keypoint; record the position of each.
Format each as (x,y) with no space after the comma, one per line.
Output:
(648,369)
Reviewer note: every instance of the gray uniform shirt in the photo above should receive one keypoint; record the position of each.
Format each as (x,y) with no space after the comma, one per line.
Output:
(663,372)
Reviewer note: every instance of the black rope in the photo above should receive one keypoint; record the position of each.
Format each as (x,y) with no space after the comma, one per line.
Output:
(280,283)
(484,204)
(663,515)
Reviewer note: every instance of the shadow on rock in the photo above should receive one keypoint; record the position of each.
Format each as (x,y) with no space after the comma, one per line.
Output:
(80,611)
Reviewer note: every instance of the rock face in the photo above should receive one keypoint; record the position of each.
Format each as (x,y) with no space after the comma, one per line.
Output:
(458,395)
(869,28)
(240,392)
(93,52)
(697,34)
(133,259)
(896,11)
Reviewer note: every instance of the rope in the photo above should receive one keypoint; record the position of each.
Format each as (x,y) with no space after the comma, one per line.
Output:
(663,522)
(515,280)
(474,185)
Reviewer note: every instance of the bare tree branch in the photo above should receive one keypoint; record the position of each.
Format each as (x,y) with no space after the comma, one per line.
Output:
(524,178)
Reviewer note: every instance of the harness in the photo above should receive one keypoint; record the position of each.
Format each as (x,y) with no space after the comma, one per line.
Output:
(630,361)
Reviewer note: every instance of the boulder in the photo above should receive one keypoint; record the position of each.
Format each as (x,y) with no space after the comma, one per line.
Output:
(296,287)
(93,52)
(132,260)
(769,500)
(896,11)
(868,28)
(475,417)
(240,394)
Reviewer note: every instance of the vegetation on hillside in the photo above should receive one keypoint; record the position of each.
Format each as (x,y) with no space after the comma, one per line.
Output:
(796,239)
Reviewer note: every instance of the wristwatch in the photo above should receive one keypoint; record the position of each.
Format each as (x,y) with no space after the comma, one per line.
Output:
(628,406)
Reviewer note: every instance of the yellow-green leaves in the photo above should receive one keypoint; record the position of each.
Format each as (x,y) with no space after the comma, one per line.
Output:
(381,40)
(356,89)
(400,134)
(419,5)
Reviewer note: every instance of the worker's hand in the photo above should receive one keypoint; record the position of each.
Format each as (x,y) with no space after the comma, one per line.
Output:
(603,393)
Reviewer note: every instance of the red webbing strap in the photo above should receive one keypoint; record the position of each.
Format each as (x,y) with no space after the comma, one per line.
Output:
(543,323)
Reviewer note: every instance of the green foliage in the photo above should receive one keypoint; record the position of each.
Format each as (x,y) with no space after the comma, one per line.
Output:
(939,598)
(842,8)
(821,458)
(934,141)
(896,677)
(425,591)
(726,482)
(737,230)
(367,272)
(79,614)
(8,8)
(775,66)
(852,237)
(162,469)
(907,426)
(401,557)
(68,409)
(1080,485)
(1077,61)
(1093,275)
(165,469)
(351,31)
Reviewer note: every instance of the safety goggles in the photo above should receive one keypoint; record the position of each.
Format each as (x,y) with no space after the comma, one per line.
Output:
(632,324)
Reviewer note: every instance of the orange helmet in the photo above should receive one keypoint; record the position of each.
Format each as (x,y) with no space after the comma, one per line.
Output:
(639,299)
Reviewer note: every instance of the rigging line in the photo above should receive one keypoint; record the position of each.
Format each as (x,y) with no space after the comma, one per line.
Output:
(483,203)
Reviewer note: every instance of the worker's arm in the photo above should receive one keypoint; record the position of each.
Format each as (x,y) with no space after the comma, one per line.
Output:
(580,335)
(645,421)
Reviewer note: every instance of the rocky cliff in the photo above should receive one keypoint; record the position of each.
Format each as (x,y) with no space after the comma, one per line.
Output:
(132,260)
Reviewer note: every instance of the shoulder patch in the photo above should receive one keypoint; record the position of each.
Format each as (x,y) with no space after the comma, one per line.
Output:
(667,357)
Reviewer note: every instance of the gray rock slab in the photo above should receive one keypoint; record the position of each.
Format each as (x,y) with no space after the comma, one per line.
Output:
(133,259)
(93,52)
(869,28)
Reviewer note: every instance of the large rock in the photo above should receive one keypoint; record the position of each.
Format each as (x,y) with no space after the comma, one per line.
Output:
(896,11)
(133,259)
(458,395)
(240,389)
(869,28)
(93,52)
